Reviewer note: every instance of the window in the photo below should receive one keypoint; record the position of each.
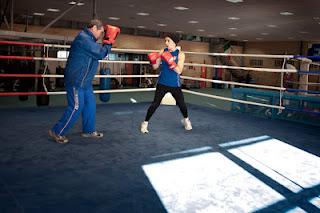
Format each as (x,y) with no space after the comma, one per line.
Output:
(256,62)
(62,54)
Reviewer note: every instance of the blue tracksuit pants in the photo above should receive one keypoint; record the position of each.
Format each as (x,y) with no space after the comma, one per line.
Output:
(80,102)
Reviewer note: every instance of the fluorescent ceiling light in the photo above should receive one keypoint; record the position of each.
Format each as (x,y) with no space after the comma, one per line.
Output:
(245,40)
(113,18)
(232,28)
(193,22)
(53,10)
(233,35)
(38,14)
(235,1)
(259,38)
(181,8)
(161,25)
(272,26)
(264,34)
(77,3)
(233,18)
(143,14)
(286,13)
(179,31)
(303,32)
(141,27)
(200,30)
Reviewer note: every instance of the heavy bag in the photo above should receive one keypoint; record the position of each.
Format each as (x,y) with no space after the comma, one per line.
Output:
(105,85)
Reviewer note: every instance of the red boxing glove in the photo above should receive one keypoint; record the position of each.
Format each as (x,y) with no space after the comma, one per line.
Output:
(111,33)
(167,57)
(153,57)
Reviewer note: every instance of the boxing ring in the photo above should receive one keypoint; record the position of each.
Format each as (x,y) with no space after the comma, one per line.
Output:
(231,162)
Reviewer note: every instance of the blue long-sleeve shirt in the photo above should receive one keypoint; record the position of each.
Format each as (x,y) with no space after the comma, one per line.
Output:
(83,60)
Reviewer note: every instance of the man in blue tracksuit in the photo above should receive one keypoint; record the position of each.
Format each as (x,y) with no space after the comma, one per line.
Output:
(81,67)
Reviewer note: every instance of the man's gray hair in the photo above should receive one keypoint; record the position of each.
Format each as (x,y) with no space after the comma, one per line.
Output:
(95,22)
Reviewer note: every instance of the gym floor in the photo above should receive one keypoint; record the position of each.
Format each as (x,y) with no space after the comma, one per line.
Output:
(127,171)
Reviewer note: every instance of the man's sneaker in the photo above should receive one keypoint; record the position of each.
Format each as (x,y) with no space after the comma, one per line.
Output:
(94,134)
(58,138)
(186,123)
(144,127)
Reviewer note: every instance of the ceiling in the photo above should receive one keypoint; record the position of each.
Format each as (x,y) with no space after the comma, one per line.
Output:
(260,20)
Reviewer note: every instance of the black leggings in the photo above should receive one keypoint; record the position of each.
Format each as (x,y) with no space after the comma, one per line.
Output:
(160,92)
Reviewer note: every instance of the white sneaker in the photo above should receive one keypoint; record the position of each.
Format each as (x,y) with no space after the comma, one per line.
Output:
(94,134)
(144,127)
(186,123)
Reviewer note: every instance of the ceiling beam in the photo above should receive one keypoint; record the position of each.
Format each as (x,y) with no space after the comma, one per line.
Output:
(59,17)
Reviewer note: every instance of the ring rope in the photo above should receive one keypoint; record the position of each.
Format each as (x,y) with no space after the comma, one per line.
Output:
(147,62)
(242,68)
(234,83)
(61,76)
(22,43)
(64,92)
(149,76)
(210,54)
(186,64)
(303,90)
(233,100)
(140,90)
(16,57)
(299,60)
(289,57)
(307,72)
(147,51)
(295,82)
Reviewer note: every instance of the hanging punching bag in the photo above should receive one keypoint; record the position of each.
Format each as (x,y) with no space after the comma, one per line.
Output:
(105,85)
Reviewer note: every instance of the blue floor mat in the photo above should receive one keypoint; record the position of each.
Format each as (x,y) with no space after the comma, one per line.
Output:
(88,175)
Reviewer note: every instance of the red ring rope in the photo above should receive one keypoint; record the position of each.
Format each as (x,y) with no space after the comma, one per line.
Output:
(22,43)
(16,57)
(22,93)
(21,75)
